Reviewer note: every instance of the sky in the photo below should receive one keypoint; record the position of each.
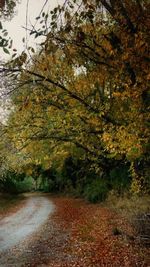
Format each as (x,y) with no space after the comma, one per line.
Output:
(17,32)
(15,26)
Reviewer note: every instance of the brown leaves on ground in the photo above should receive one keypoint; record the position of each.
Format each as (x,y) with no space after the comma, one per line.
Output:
(79,234)
(93,238)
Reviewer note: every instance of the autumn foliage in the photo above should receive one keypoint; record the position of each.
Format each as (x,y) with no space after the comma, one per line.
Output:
(87,89)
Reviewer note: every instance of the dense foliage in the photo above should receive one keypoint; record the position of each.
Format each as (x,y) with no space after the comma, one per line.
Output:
(85,94)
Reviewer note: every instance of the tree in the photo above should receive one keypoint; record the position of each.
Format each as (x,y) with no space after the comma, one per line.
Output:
(7,11)
(89,85)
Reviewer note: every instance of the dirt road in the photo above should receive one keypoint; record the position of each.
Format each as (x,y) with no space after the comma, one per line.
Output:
(75,234)
(16,228)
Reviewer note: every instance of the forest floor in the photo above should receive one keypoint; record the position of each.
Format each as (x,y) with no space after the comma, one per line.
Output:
(78,234)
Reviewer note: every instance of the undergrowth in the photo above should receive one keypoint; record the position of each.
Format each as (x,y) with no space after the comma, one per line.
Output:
(7,202)
(136,210)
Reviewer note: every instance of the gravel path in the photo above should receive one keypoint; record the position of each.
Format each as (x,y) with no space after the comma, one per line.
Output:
(20,226)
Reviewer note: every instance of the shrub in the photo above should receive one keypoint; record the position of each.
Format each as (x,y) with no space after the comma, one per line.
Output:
(15,185)
(119,179)
(26,185)
(9,186)
(96,191)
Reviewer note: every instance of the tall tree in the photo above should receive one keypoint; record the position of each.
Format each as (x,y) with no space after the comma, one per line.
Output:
(89,85)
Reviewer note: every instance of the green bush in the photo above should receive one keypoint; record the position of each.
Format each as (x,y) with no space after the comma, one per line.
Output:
(15,185)
(45,188)
(119,179)
(96,191)
(26,185)
(49,180)
(9,186)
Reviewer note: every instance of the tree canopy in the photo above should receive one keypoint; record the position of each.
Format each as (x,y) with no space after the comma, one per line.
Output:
(86,88)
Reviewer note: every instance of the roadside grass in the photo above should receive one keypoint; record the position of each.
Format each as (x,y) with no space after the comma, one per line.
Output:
(136,211)
(129,205)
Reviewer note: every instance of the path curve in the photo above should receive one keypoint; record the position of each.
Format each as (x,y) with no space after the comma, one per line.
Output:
(17,227)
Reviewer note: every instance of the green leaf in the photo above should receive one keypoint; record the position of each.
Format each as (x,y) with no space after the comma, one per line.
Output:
(14,55)
(1,27)
(6,33)
(32,50)
(5,50)
(10,45)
